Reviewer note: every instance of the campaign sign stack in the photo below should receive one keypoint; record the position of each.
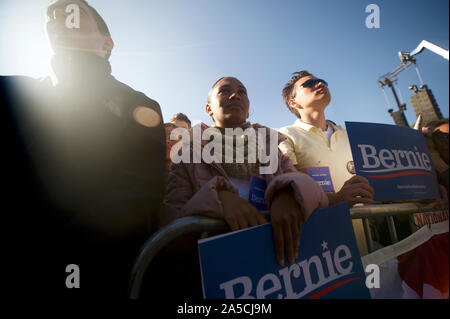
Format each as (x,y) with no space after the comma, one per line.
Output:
(394,159)
(242,264)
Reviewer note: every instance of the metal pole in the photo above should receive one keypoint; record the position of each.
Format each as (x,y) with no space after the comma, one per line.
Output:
(412,224)
(386,97)
(391,85)
(418,74)
(379,210)
(368,234)
(392,231)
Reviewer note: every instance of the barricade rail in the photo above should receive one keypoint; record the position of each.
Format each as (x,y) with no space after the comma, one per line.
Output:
(194,224)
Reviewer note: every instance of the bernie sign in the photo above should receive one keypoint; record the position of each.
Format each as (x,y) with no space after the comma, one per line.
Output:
(242,264)
(394,159)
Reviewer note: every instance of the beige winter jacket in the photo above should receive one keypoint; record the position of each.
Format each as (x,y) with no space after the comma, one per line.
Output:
(192,188)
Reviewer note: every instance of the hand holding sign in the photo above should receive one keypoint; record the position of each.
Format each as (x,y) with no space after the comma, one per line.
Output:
(355,190)
(238,213)
(243,264)
(440,203)
(286,217)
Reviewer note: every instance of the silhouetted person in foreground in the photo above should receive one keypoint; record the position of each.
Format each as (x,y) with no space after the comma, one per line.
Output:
(86,165)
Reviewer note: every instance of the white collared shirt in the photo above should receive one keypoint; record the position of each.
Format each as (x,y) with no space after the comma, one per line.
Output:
(329,131)
(308,146)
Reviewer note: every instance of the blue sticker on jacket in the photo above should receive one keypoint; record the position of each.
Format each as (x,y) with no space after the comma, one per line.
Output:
(257,191)
(322,177)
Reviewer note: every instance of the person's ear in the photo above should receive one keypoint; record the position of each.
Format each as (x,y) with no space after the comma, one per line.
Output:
(292,103)
(108,44)
(208,110)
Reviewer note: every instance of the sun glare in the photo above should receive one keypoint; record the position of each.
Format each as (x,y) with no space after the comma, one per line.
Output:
(24,46)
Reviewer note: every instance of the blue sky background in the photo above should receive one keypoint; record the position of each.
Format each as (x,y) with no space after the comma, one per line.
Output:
(173,51)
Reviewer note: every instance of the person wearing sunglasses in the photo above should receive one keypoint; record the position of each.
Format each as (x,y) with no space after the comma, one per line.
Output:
(320,148)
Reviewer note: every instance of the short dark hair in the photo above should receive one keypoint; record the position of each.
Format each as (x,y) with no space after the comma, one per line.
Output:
(101,24)
(289,90)
(213,86)
(181,117)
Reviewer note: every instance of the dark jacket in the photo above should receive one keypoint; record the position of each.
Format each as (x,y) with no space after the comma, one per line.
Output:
(86,170)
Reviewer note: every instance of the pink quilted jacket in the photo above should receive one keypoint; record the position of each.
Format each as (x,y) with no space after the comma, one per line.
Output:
(192,188)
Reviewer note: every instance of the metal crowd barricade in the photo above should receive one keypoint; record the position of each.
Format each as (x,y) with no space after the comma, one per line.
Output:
(387,211)
(204,224)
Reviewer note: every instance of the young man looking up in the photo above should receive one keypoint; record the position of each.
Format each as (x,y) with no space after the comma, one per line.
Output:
(320,148)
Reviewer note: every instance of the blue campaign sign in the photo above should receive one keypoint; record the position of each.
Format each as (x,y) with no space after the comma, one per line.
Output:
(394,159)
(257,191)
(322,177)
(242,264)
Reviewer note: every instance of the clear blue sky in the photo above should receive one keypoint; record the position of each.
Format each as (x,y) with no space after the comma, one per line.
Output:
(173,51)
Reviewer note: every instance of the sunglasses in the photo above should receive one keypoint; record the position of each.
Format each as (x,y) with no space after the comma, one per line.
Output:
(312,82)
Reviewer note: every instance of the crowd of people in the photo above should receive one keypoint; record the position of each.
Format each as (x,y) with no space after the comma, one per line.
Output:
(90,175)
